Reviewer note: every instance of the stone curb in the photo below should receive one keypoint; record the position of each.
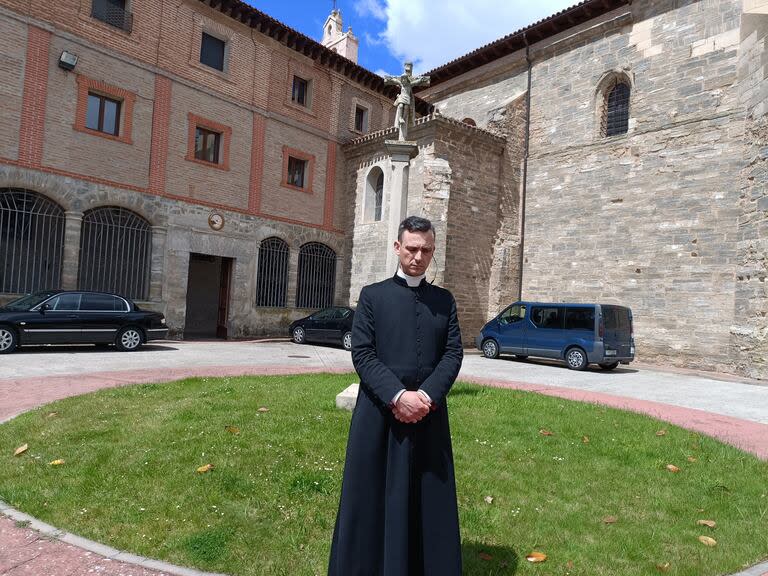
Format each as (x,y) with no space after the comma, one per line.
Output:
(97,548)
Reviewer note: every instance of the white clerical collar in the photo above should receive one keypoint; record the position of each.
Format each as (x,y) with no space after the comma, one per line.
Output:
(412,281)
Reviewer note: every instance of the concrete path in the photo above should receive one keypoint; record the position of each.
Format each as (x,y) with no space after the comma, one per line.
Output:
(732,409)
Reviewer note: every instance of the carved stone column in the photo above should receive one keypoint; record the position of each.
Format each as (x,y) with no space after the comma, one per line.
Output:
(73,225)
(400,154)
(157,265)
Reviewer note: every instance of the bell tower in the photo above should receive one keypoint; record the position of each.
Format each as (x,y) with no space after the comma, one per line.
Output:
(334,37)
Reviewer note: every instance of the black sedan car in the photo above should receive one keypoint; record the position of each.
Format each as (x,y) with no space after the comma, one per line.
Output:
(331,325)
(75,317)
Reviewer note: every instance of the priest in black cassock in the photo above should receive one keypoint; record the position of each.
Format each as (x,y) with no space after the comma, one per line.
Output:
(398,514)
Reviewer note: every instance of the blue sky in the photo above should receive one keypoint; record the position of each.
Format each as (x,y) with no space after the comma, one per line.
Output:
(428,32)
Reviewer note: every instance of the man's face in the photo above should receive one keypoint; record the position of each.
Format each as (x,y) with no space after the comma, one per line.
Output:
(415,251)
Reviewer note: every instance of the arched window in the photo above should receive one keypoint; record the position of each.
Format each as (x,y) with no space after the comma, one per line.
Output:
(374,195)
(272,275)
(316,276)
(615,113)
(115,252)
(31,242)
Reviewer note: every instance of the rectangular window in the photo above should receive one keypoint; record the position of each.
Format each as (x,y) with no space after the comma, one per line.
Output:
(547,317)
(361,119)
(112,12)
(580,319)
(300,93)
(207,144)
(296,171)
(212,52)
(103,114)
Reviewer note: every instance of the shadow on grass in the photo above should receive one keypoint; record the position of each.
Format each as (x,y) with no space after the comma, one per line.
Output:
(485,560)
(465,391)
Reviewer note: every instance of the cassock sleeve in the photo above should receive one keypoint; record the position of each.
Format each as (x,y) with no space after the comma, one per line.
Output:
(440,381)
(374,375)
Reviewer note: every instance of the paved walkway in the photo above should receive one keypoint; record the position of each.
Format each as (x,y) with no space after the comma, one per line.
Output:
(729,408)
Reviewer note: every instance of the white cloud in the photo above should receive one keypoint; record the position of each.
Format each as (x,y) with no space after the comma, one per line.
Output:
(374,8)
(431,33)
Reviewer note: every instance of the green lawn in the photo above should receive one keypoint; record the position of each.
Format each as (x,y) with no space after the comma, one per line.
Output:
(268,506)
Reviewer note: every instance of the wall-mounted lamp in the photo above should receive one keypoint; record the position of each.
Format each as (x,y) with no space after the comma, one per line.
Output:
(67,61)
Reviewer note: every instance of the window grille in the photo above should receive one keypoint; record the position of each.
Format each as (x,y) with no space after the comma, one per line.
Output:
(615,118)
(378,196)
(31,242)
(316,276)
(115,252)
(112,12)
(272,275)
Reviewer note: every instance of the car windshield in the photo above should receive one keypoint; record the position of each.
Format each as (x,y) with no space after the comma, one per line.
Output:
(28,301)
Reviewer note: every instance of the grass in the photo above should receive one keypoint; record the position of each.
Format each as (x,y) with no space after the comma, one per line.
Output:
(268,506)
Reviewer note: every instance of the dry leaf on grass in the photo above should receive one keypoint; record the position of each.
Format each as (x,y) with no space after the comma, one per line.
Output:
(585,439)
(691,459)
(204,469)
(488,499)
(52,414)
(661,432)
(708,523)
(58,462)
(673,468)
(232,430)
(263,409)
(484,556)
(545,432)
(536,557)
(707,541)
(21,449)
(663,567)
(610,520)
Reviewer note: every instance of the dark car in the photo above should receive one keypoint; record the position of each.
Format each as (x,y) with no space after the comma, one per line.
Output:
(76,317)
(332,325)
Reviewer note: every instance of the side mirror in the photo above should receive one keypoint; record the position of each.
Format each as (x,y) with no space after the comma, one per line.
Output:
(44,308)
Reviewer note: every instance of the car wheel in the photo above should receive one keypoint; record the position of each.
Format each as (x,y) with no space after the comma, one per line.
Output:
(128,339)
(346,341)
(298,335)
(8,340)
(576,358)
(521,356)
(490,349)
(609,366)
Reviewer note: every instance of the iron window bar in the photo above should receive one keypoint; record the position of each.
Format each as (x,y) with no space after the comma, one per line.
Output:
(112,12)
(272,274)
(316,276)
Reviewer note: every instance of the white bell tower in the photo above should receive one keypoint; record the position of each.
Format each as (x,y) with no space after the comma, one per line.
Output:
(334,37)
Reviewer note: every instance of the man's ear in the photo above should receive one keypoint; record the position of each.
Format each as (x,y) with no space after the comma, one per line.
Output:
(397,247)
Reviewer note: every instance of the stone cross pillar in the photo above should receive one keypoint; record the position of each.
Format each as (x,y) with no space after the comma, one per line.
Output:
(400,154)
(73,224)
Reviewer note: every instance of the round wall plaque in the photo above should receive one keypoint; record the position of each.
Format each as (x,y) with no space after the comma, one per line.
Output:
(216,221)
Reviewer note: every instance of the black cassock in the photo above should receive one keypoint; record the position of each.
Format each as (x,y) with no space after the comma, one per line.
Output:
(398,514)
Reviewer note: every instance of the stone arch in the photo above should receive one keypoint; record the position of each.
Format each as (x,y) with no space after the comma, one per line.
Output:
(316,281)
(469,121)
(272,272)
(31,241)
(115,252)
(612,102)
(373,202)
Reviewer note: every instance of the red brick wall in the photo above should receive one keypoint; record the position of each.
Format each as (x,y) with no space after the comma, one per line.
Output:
(161,118)
(35,92)
(13,42)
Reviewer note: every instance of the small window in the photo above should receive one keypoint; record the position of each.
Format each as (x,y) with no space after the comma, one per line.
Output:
(296,172)
(512,314)
(580,319)
(616,110)
(212,52)
(103,114)
(378,199)
(547,317)
(361,119)
(112,12)
(207,143)
(300,92)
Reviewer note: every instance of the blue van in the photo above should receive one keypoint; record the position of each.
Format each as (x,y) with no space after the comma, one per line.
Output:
(579,334)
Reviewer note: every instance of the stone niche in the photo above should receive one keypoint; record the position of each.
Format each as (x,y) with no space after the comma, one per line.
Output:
(458,180)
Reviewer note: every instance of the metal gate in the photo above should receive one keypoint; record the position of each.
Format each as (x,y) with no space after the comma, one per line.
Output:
(115,252)
(317,276)
(272,275)
(31,242)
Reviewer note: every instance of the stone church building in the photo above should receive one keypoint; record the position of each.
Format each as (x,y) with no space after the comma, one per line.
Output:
(214,164)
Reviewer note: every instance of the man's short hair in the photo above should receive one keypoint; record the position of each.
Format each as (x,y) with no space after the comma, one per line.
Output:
(414,224)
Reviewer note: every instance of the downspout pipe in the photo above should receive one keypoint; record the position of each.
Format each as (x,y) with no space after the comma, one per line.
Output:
(525,167)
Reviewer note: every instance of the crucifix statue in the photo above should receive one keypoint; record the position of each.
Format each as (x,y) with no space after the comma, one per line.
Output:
(405,100)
